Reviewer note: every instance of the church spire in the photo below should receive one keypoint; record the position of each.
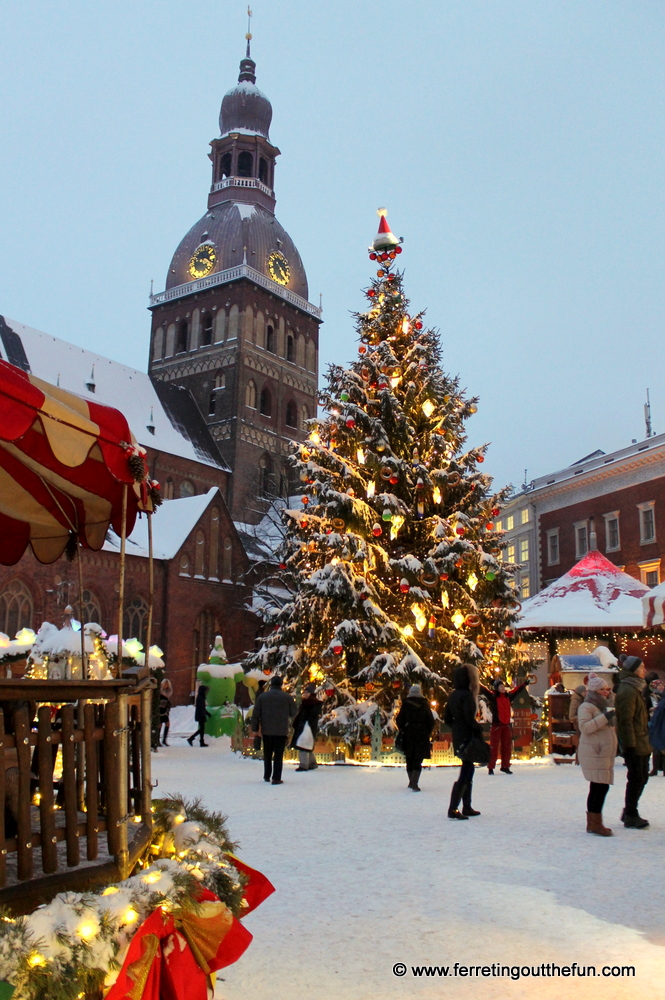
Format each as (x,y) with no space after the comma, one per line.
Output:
(247,65)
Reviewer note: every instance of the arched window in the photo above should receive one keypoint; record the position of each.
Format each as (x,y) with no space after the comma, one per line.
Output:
(263,171)
(212,404)
(158,344)
(206,330)
(227,560)
(270,338)
(291,414)
(182,339)
(304,417)
(15,608)
(265,407)
(266,476)
(290,350)
(206,628)
(245,164)
(92,609)
(224,168)
(220,383)
(250,394)
(187,488)
(213,563)
(135,619)
(199,556)
(168,490)
(184,565)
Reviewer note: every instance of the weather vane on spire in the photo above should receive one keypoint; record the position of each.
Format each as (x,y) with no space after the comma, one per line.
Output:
(248,36)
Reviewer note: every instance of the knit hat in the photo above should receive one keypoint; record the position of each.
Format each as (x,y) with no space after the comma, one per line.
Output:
(310,688)
(598,683)
(631,663)
(276,681)
(415,691)
(497,683)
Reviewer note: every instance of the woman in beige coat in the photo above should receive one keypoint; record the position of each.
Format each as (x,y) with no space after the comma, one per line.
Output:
(597,750)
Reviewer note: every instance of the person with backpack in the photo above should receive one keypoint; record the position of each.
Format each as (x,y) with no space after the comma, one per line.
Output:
(415,723)
(501,731)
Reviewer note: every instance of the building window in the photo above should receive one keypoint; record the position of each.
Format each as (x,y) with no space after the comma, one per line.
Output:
(525,587)
(220,383)
(250,395)
(182,340)
(497,525)
(650,572)
(266,478)
(213,568)
(92,611)
(524,515)
(647,523)
(245,164)
(290,350)
(227,560)
(263,171)
(510,522)
(524,550)
(510,553)
(184,565)
(291,414)
(206,330)
(224,166)
(199,556)
(553,547)
(270,338)
(168,489)
(612,537)
(15,608)
(187,488)
(135,619)
(212,404)
(207,627)
(581,529)
(265,405)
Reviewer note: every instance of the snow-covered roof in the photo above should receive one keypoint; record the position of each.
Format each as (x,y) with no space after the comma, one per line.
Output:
(178,426)
(171,525)
(593,594)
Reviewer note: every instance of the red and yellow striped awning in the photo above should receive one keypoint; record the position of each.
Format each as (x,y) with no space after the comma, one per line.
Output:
(63,464)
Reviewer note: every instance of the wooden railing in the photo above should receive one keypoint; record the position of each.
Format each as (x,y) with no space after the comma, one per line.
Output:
(75,765)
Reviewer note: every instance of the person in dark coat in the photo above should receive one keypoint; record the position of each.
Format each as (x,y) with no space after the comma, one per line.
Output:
(633,731)
(501,731)
(460,715)
(201,715)
(273,710)
(165,695)
(309,712)
(415,723)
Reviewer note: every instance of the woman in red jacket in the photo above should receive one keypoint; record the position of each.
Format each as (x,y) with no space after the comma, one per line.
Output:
(501,733)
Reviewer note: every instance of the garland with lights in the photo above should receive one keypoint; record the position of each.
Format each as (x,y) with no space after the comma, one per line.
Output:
(190,883)
(391,558)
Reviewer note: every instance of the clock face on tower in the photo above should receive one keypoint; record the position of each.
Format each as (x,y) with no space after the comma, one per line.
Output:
(202,260)
(278,268)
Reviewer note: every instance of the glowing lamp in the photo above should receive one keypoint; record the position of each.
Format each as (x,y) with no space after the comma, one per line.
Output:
(110,890)
(25,637)
(489,526)
(36,959)
(314,437)
(407,631)
(472,581)
(86,931)
(371,490)
(360,455)
(133,647)
(436,495)
(405,325)
(457,619)
(428,407)
(130,915)
(445,600)
(473,408)
(395,525)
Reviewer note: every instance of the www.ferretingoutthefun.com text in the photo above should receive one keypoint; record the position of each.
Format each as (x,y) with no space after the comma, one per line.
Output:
(545,970)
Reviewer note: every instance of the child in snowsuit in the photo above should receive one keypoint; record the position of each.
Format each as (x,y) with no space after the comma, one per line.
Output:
(501,735)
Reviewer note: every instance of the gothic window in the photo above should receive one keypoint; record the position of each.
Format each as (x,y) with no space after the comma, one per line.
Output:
(311,356)
(158,344)
(199,556)
(263,171)
(206,628)
(270,338)
(187,488)
(184,565)
(168,490)
(220,383)
(213,566)
(92,609)
(266,476)
(182,338)
(265,407)
(15,608)
(135,619)
(227,560)
(250,394)
(206,330)
(291,414)
(304,417)
(212,404)
(290,350)
(245,164)
(224,166)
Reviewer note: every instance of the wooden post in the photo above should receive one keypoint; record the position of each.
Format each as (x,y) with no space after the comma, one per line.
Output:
(81,606)
(111,776)
(69,784)
(122,857)
(23,820)
(121,582)
(46,760)
(91,778)
(151,591)
(146,760)
(3,849)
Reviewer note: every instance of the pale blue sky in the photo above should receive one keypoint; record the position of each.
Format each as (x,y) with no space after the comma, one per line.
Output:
(518,145)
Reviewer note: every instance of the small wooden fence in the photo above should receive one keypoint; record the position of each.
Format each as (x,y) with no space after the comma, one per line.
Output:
(75,792)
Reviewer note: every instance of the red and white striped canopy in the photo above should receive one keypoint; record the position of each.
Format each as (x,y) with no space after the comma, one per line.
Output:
(63,464)
(653,606)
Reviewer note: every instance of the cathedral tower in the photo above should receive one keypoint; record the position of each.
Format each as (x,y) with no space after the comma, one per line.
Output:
(234,324)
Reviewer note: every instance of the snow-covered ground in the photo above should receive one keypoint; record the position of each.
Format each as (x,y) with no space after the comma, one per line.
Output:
(367,875)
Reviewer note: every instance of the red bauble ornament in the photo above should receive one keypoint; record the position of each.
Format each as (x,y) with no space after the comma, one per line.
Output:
(371,293)
(337,648)
(384,256)
(304,501)
(443,576)
(509,633)
(372,256)
(404,586)
(459,563)
(377,530)
(480,459)
(350,422)
(398,249)
(391,277)
(304,522)
(380,273)
(489,526)
(393,480)
(330,692)
(459,530)
(418,325)
(362,350)
(397,684)
(282,565)
(496,511)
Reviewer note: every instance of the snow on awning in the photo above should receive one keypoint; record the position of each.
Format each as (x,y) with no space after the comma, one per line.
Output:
(653,606)
(593,594)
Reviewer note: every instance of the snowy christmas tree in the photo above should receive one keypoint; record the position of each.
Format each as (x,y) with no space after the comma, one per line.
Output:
(391,558)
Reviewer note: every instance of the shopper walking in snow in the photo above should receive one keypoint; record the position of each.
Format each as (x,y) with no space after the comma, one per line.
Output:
(501,731)
(201,715)
(165,695)
(596,750)
(460,715)
(307,715)
(415,723)
(273,710)
(633,733)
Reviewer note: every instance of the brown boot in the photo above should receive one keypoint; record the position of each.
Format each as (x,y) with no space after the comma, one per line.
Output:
(594,824)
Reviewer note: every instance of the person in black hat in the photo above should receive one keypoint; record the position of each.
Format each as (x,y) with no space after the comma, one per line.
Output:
(308,714)
(273,710)
(501,731)
(633,732)
(415,723)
